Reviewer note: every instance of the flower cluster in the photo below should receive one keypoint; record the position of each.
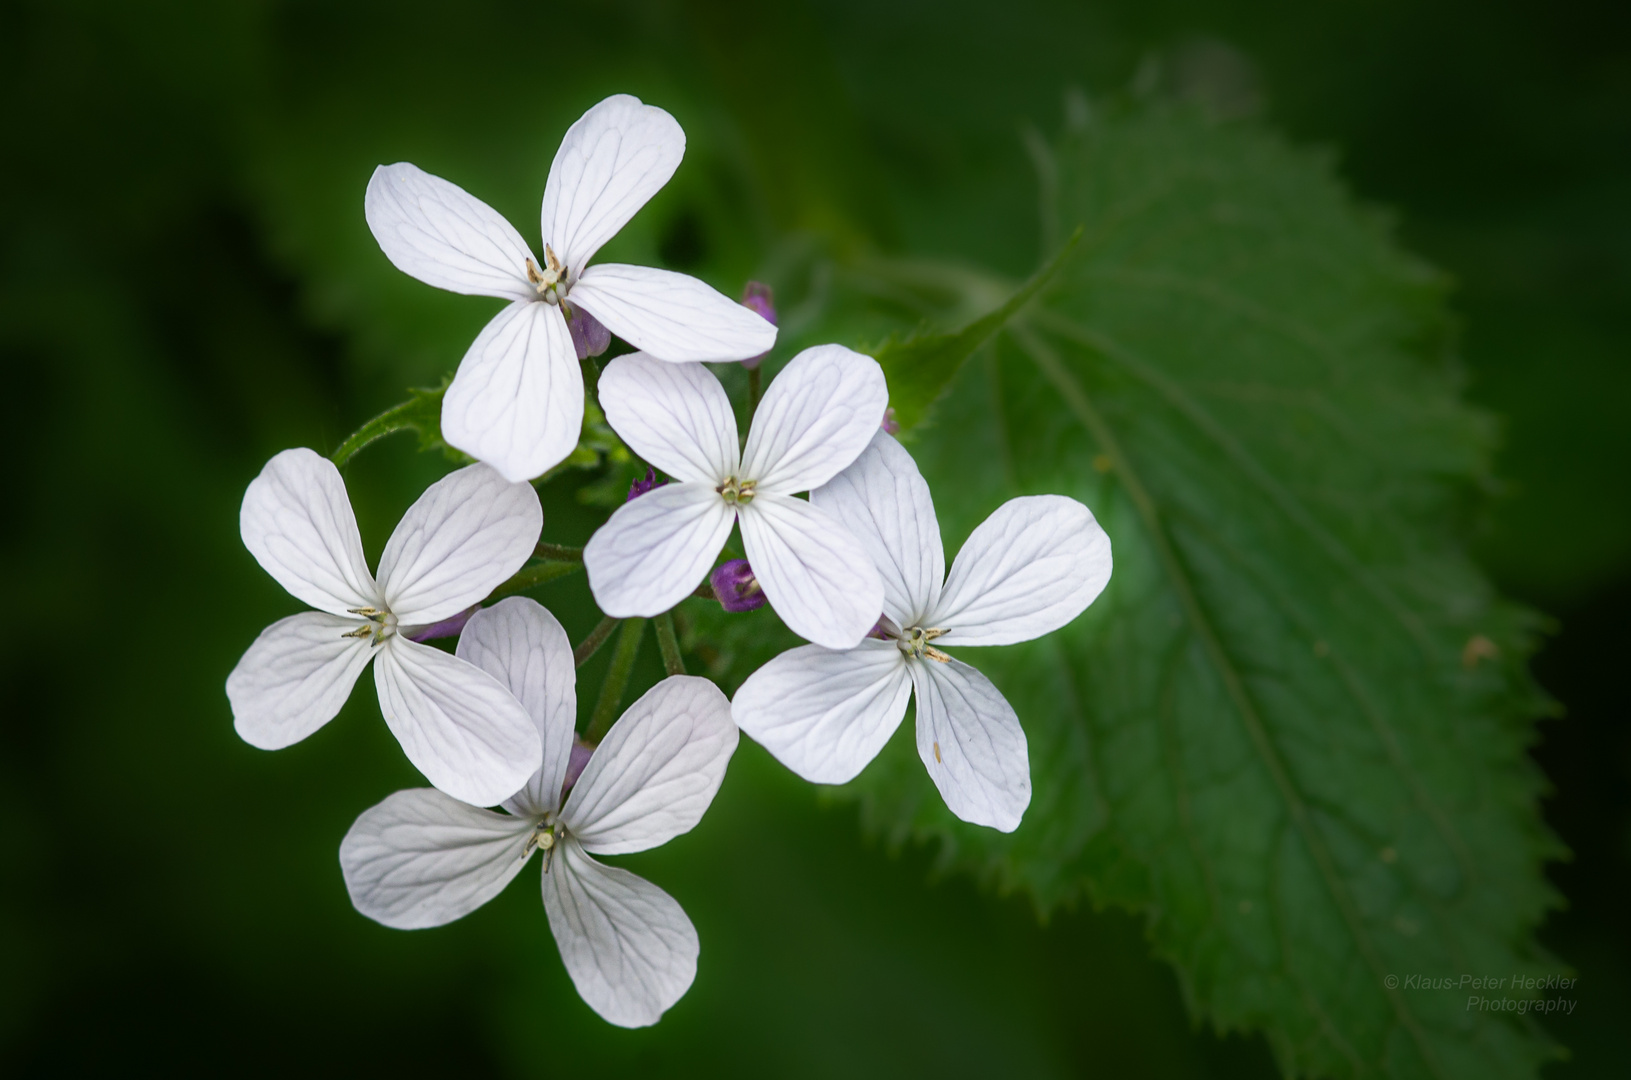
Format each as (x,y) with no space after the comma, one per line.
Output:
(857,569)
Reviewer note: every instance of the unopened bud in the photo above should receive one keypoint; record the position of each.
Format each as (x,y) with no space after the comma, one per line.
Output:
(891,426)
(448,627)
(640,487)
(735,586)
(758,299)
(589,337)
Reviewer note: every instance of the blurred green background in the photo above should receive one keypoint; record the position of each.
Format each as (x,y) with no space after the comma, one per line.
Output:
(187,286)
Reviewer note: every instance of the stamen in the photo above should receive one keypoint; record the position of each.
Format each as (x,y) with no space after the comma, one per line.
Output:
(737,492)
(935,654)
(362,631)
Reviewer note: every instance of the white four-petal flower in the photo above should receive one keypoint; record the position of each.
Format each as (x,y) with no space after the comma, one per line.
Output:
(467,533)
(421,859)
(816,418)
(517,400)
(1030,568)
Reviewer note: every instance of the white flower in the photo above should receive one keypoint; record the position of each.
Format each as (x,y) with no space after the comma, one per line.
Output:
(467,533)
(422,859)
(517,400)
(814,420)
(1030,568)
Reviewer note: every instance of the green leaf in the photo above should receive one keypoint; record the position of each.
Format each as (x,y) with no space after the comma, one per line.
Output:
(1292,732)
(920,367)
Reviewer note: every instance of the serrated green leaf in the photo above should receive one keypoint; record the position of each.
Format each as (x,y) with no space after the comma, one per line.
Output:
(1292,732)
(920,367)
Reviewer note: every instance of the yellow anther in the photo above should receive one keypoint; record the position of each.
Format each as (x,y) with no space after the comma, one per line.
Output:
(737,492)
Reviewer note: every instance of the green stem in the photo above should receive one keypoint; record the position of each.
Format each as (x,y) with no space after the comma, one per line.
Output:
(529,577)
(557,552)
(617,679)
(705,591)
(591,644)
(755,388)
(388,422)
(669,643)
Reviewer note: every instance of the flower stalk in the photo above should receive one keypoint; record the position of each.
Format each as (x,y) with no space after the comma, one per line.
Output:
(617,679)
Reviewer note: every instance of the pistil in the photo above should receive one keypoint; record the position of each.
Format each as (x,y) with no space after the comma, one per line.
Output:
(915,644)
(737,492)
(550,283)
(381,625)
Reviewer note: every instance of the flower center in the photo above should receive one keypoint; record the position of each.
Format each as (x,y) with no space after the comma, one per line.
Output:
(737,492)
(379,626)
(552,282)
(915,644)
(545,835)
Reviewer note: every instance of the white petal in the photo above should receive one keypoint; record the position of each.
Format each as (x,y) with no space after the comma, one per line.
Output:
(465,535)
(673,317)
(676,416)
(628,945)
(815,574)
(523,646)
(517,399)
(816,417)
(618,155)
(422,859)
(656,771)
(1030,568)
(297,522)
(295,677)
(884,502)
(457,724)
(655,550)
(970,741)
(826,714)
(444,236)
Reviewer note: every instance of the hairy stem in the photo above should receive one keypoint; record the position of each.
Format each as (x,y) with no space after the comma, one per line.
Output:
(617,679)
(755,389)
(557,552)
(591,644)
(669,643)
(394,419)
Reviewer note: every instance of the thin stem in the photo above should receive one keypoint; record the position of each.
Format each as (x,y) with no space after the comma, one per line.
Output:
(705,591)
(591,644)
(391,420)
(755,389)
(669,643)
(529,577)
(617,679)
(558,552)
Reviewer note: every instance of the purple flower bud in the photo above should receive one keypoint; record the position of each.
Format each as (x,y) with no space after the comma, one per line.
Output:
(588,336)
(891,426)
(878,631)
(448,627)
(640,487)
(735,586)
(575,761)
(757,298)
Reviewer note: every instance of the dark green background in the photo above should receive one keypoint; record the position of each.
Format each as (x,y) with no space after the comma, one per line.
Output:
(187,286)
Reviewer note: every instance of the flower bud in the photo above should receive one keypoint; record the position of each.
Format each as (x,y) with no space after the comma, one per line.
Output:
(757,298)
(589,337)
(448,627)
(640,487)
(891,426)
(735,587)
(575,762)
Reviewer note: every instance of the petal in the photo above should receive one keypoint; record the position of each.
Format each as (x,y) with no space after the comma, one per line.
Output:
(1029,569)
(523,646)
(422,859)
(465,535)
(457,724)
(970,740)
(817,416)
(817,576)
(676,416)
(295,677)
(618,155)
(517,400)
(672,316)
(656,771)
(884,502)
(444,236)
(628,945)
(826,714)
(297,522)
(655,550)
